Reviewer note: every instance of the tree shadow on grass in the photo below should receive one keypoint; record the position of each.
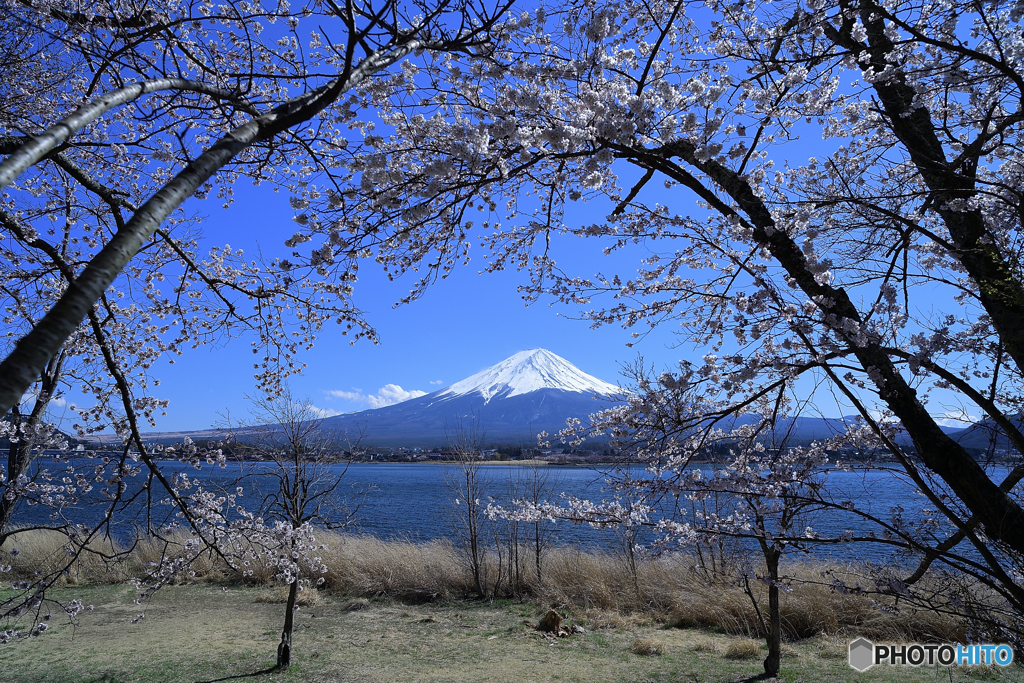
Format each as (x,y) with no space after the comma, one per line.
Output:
(758,677)
(254,674)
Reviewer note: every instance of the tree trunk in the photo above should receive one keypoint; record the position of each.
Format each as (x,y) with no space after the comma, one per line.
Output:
(19,453)
(774,658)
(999,512)
(30,355)
(18,458)
(536,552)
(473,527)
(284,650)
(474,553)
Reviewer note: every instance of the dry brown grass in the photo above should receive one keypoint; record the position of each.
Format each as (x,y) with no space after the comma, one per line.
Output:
(812,608)
(601,588)
(42,553)
(597,580)
(595,586)
(148,551)
(368,566)
(647,647)
(742,649)
(307,597)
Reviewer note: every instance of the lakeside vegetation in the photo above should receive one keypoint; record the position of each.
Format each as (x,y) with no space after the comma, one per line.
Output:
(397,593)
(204,633)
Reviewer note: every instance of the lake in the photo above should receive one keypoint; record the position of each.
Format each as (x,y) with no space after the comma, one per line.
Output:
(415,502)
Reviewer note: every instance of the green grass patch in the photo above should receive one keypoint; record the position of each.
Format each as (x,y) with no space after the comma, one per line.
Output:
(204,633)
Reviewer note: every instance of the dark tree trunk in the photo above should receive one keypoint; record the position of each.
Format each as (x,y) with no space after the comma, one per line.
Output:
(774,658)
(474,554)
(19,453)
(284,650)
(536,552)
(1000,513)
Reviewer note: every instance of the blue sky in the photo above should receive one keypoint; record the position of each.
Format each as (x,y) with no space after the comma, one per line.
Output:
(461,326)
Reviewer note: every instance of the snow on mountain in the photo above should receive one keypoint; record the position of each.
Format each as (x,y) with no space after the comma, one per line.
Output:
(525,372)
(531,392)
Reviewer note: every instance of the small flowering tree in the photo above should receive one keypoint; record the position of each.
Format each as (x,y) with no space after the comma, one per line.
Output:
(771,493)
(537,485)
(246,540)
(745,484)
(306,473)
(768,496)
(292,475)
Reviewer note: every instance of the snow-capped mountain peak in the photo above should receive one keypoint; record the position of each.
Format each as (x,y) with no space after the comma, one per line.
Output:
(529,371)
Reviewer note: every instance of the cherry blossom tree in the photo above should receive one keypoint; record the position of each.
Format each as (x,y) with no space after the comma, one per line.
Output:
(287,433)
(114,115)
(266,521)
(752,488)
(879,270)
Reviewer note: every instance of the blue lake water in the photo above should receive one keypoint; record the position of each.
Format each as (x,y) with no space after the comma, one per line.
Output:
(415,501)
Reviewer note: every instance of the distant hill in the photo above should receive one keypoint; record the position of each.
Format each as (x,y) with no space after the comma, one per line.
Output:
(513,401)
(525,394)
(984,434)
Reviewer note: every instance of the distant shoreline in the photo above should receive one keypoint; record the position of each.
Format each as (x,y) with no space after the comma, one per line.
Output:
(877,464)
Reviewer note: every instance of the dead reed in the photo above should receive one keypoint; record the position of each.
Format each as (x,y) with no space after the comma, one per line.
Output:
(600,587)
(41,553)
(743,649)
(647,647)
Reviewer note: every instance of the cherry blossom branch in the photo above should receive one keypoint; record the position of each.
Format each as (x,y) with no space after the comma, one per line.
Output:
(35,149)
(22,365)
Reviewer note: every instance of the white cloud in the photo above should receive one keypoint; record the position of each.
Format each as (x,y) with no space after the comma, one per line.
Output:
(387,395)
(30,395)
(438,382)
(356,395)
(390,394)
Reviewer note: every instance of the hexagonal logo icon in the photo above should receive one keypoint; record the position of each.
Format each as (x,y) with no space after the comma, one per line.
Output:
(862,654)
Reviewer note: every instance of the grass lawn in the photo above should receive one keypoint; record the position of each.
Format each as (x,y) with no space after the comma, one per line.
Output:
(206,633)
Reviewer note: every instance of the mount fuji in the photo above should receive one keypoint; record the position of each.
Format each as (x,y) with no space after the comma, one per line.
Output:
(529,392)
